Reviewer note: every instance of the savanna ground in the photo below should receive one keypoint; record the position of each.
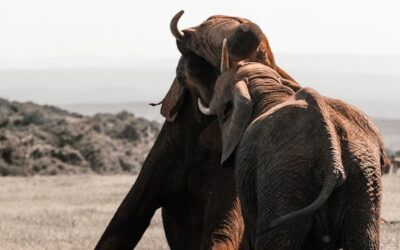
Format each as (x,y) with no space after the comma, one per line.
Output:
(71,212)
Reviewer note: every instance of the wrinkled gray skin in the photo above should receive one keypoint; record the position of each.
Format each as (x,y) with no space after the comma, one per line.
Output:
(308,168)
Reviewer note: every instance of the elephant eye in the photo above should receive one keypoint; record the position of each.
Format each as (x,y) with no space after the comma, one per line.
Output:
(227,110)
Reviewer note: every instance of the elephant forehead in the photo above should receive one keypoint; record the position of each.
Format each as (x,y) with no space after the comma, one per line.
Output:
(217,27)
(253,69)
(218,17)
(290,106)
(206,40)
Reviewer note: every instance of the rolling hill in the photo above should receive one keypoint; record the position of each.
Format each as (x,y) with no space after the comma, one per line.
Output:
(390,128)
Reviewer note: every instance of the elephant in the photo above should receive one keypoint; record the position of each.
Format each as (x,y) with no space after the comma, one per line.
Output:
(395,165)
(181,175)
(388,165)
(307,167)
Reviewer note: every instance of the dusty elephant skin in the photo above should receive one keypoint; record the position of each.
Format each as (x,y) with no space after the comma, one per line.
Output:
(308,168)
(182,173)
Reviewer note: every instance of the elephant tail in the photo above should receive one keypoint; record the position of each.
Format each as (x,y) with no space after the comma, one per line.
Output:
(328,186)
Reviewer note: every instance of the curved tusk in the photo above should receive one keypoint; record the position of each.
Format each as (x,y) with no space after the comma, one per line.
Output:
(203,109)
(179,35)
(224,57)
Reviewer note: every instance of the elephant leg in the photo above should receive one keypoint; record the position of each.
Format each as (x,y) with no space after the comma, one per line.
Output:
(147,194)
(361,226)
(279,192)
(361,231)
(132,217)
(362,215)
(395,168)
(223,221)
(245,182)
(225,230)
(288,236)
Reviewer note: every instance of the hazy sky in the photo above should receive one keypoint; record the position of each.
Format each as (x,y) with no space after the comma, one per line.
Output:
(73,33)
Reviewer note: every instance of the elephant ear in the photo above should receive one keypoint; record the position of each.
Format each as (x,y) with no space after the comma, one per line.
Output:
(244,41)
(234,127)
(172,102)
(211,137)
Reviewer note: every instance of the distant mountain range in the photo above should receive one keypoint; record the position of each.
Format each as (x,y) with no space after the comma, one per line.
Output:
(371,83)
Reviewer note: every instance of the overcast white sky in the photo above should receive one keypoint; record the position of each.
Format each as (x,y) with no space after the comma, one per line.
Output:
(73,33)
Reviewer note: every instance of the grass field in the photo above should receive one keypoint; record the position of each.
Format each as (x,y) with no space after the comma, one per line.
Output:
(71,212)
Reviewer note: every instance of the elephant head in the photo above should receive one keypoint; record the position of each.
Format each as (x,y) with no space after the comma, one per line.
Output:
(193,76)
(244,38)
(232,99)
(246,42)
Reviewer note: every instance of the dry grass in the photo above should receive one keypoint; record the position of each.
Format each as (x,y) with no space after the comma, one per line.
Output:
(71,212)
(64,212)
(391,213)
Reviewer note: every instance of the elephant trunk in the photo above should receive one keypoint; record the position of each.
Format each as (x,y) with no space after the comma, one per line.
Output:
(328,186)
